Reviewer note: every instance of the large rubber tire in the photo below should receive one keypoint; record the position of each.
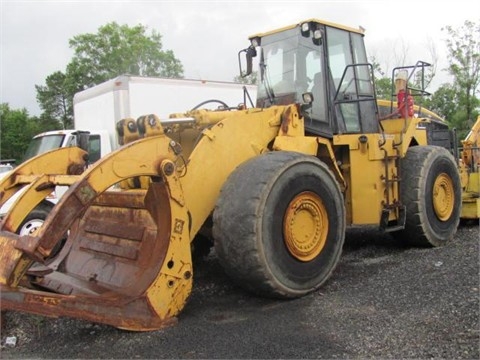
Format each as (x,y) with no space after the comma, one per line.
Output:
(431,190)
(279,224)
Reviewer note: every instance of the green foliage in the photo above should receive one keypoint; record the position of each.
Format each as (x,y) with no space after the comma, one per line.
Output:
(463,46)
(113,51)
(116,50)
(443,101)
(383,87)
(457,102)
(383,84)
(54,100)
(16,131)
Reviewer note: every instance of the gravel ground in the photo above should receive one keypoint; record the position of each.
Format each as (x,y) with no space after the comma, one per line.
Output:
(385,300)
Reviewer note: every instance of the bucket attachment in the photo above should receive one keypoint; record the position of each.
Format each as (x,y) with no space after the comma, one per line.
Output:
(126,260)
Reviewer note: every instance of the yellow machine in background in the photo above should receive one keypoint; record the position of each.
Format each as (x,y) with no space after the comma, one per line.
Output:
(272,187)
(470,173)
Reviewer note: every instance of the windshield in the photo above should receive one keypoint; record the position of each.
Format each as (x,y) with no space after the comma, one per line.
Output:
(42,144)
(326,64)
(5,168)
(290,65)
(277,66)
(279,62)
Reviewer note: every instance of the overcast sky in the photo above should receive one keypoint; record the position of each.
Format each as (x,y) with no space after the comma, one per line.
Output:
(207,35)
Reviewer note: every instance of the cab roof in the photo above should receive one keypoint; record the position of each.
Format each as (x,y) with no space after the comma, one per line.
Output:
(317,21)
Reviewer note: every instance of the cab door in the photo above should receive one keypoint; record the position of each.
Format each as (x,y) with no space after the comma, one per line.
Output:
(354,105)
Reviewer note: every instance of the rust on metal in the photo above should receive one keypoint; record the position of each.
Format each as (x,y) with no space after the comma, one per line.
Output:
(120,264)
(286,120)
(85,193)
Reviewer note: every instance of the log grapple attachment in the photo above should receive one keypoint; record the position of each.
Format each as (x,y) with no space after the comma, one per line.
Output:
(124,223)
(123,247)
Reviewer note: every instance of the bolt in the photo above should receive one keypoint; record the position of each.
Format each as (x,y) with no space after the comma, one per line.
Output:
(168,168)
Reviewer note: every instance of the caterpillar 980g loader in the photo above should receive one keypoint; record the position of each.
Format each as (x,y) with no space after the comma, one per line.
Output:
(275,185)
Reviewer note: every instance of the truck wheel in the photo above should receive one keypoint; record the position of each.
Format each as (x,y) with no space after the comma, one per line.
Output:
(430,190)
(279,224)
(35,219)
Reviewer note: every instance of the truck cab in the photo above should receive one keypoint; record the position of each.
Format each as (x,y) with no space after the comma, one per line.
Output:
(97,143)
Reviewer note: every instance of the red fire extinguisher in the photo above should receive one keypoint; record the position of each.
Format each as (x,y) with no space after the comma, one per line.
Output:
(405,104)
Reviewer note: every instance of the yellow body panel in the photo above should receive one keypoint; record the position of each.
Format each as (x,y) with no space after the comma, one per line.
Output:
(365,173)
(216,156)
(470,208)
(473,186)
(471,197)
(306,145)
(470,173)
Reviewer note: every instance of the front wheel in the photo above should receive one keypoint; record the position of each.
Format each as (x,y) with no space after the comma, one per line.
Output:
(431,190)
(279,224)
(35,220)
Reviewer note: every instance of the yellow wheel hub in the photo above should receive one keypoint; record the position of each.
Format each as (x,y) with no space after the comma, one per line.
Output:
(305,226)
(443,197)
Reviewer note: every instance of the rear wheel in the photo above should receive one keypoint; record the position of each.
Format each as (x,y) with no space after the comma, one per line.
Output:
(279,224)
(431,191)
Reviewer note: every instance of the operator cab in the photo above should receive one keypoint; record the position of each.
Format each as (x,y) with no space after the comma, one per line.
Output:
(322,66)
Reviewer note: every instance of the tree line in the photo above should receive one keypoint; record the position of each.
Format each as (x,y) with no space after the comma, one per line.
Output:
(119,49)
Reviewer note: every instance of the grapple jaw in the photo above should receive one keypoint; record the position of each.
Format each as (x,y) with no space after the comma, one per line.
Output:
(126,260)
(130,218)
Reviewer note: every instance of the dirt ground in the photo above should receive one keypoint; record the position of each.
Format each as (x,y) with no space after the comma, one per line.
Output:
(385,300)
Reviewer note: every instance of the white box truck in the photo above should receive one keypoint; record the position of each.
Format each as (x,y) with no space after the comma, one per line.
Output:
(102,106)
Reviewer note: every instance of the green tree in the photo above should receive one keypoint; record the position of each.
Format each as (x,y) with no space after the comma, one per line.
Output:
(443,101)
(16,131)
(383,84)
(54,99)
(463,46)
(114,50)
(383,88)
(119,49)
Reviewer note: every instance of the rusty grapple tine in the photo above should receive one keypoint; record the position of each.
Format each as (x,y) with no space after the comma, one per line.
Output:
(165,292)
(63,161)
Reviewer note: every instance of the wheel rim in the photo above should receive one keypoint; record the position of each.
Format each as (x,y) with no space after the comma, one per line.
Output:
(30,227)
(305,226)
(443,197)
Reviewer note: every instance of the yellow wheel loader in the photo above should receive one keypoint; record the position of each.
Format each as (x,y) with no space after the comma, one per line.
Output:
(470,173)
(273,187)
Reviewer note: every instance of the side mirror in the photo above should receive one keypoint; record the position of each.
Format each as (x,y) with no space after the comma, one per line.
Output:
(246,56)
(82,139)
